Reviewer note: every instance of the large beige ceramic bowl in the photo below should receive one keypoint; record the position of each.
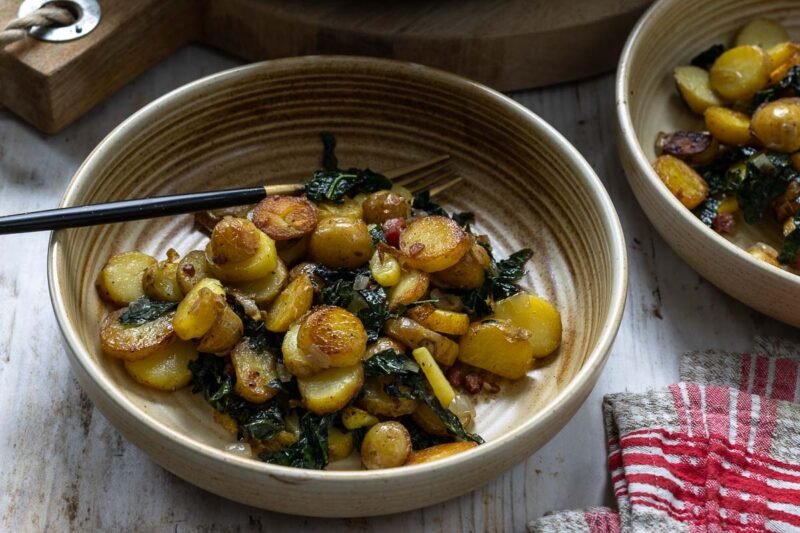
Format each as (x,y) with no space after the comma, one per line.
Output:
(260,123)
(668,35)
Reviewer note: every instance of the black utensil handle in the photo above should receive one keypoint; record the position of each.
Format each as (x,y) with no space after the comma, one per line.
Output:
(158,206)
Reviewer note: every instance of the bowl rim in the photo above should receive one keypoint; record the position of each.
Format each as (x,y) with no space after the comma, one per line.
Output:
(629,142)
(593,361)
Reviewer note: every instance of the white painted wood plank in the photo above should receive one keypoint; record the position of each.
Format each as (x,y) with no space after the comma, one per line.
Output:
(62,466)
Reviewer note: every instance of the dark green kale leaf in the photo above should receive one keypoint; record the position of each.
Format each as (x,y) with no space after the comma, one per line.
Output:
(789,84)
(767,177)
(375,313)
(721,175)
(340,293)
(412,386)
(707,211)
(376,232)
(499,283)
(422,201)
(368,304)
(790,251)
(358,437)
(508,272)
(476,301)
(707,57)
(464,219)
(334,185)
(332,275)
(143,310)
(329,161)
(311,448)
(389,362)
(259,338)
(258,421)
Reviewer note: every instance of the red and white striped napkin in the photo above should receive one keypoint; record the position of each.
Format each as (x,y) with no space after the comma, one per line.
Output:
(719,451)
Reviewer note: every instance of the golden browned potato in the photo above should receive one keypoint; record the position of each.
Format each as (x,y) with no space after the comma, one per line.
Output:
(198,311)
(728,126)
(350,208)
(121,280)
(447,322)
(429,421)
(354,418)
(285,217)
(160,280)
(440,451)
(291,252)
(414,335)
(433,243)
(330,390)
(134,342)
(777,125)
(206,220)
(739,72)
(292,303)
(694,147)
(224,333)
(341,242)
(332,336)
(256,266)
(497,346)
(385,268)
(386,445)
(166,369)
(695,88)
(380,206)
(262,291)
(381,345)
(307,269)
(297,363)
(468,273)
(234,240)
(191,269)
(765,253)
(537,316)
(788,227)
(340,445)
(682,180)
(761,32)
(781,53)
(412,286)
(374,399)
(780,72)
(254,372)
(728,205)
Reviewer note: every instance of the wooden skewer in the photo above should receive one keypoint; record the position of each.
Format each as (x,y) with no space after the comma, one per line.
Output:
(416,177)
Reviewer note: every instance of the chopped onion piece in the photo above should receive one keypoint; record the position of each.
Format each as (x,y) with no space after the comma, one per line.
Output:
(283,374)
(462,407)
(241,449)
(361,282)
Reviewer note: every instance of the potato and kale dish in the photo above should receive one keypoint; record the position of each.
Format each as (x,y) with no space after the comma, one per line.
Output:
(356,316)
(745,166)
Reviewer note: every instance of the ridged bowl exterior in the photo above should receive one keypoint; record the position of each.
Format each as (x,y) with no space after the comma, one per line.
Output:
(261,123)
(668,35)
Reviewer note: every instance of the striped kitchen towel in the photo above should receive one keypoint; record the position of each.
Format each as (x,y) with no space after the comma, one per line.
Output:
(719,451)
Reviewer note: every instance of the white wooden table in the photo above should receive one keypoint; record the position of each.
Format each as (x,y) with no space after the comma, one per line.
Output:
(63,467)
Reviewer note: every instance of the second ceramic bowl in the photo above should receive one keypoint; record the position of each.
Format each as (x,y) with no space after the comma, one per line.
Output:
(260,123)
(668,35)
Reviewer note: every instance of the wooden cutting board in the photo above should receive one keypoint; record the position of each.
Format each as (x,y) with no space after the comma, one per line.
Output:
(506,44)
